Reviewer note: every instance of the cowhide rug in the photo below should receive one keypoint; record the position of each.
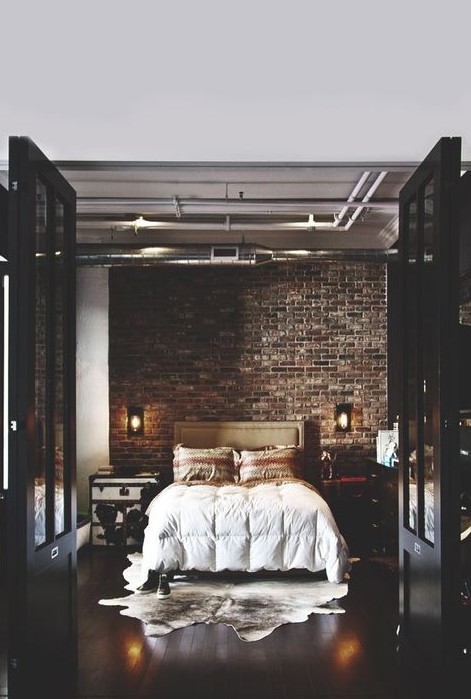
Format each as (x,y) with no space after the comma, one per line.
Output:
(253,606)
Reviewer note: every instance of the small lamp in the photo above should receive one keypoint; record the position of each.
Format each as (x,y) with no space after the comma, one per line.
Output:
(135,421)
(343,417)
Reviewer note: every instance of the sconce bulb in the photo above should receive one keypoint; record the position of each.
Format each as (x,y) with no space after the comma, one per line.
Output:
(135,422)
(343,421)
(343,417)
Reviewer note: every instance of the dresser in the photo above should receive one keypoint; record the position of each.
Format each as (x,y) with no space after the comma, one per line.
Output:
(384,523)
(118,504)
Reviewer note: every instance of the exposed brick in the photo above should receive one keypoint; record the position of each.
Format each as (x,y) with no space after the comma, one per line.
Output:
(276,342)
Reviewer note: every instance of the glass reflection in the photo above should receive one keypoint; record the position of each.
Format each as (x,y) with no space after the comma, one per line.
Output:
(40,485)
(412,368)
(426,482)
(422,364)
(59,288)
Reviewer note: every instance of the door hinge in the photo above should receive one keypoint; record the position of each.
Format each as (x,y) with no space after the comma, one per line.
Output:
(14,663)
(13,425)
(14,185)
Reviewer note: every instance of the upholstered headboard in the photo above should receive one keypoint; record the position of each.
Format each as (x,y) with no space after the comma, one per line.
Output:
(239,435)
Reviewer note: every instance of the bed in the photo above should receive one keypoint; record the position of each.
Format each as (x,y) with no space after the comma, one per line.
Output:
(239,502)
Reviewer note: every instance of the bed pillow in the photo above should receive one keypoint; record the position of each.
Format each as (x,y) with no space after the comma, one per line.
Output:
(279,462)
(215,465)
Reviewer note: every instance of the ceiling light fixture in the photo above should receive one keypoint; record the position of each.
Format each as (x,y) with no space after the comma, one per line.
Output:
(141,222)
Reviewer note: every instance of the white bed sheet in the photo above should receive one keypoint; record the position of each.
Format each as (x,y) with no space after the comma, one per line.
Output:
(274,525)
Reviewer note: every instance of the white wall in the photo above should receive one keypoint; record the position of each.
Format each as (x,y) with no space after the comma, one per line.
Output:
(92,377)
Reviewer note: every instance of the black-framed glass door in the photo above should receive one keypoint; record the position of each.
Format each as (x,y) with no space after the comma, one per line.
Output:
(428,473)
(4,319)
(42,505)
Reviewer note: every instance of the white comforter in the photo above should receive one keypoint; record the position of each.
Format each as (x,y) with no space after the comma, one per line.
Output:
(273,525)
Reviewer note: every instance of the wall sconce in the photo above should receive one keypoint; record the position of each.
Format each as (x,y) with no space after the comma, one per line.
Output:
(135,421)
(343,417)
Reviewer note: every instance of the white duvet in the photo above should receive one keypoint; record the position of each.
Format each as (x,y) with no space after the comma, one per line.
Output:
(273,525)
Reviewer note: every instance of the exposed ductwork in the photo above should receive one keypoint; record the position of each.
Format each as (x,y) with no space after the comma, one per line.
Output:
(235,255)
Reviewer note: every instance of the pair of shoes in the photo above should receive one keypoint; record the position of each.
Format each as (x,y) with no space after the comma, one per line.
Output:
(163,589)
(150,585)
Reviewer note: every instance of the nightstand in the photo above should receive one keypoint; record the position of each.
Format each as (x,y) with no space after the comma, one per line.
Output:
(384,509)
(118,504)
(349,500)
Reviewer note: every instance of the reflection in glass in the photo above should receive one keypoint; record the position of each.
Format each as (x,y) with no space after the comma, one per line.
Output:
(59,288)
(421,365)
(429,287)
(40,367)
(412,366)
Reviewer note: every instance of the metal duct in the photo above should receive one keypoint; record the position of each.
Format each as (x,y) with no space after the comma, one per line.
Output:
(248,255)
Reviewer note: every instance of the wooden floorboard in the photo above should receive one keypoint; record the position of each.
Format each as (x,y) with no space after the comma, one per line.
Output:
(333,656)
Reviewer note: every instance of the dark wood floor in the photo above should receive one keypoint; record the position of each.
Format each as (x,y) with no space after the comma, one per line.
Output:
(341,655)
(329,656)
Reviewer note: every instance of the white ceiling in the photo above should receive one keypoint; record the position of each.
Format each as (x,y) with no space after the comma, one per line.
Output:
(276,206)
(297,86)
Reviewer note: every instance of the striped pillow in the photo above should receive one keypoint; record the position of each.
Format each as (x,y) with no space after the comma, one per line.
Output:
(281,462)
(214,465)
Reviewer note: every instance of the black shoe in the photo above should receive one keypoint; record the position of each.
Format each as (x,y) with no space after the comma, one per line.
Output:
(163,589)
(150,585)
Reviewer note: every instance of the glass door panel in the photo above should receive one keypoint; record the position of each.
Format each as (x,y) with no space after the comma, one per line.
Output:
(58,403)
(429,349)
(428,520)
(410,495)
(42,557)
(41,484)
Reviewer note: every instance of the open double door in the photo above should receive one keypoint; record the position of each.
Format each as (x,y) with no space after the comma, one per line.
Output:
(434,625)
(38,481)
(39,419)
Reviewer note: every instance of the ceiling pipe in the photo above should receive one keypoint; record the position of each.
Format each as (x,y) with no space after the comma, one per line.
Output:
(366,198)
(222,226)
(352,197)
(201,255)
(112,206)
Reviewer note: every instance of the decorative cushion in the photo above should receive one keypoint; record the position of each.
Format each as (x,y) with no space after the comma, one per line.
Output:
(216,465)
(277,462)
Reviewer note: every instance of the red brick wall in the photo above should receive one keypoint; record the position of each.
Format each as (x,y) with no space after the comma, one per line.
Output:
(277,342)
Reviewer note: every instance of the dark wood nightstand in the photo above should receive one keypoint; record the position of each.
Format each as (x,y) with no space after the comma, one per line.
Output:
(118,504)
(384,509)
(349,500)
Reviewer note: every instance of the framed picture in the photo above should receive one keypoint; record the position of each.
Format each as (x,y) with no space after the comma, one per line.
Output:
(387,444)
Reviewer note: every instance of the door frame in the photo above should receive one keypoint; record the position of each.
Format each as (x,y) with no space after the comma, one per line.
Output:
(428,592)
(41,578)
